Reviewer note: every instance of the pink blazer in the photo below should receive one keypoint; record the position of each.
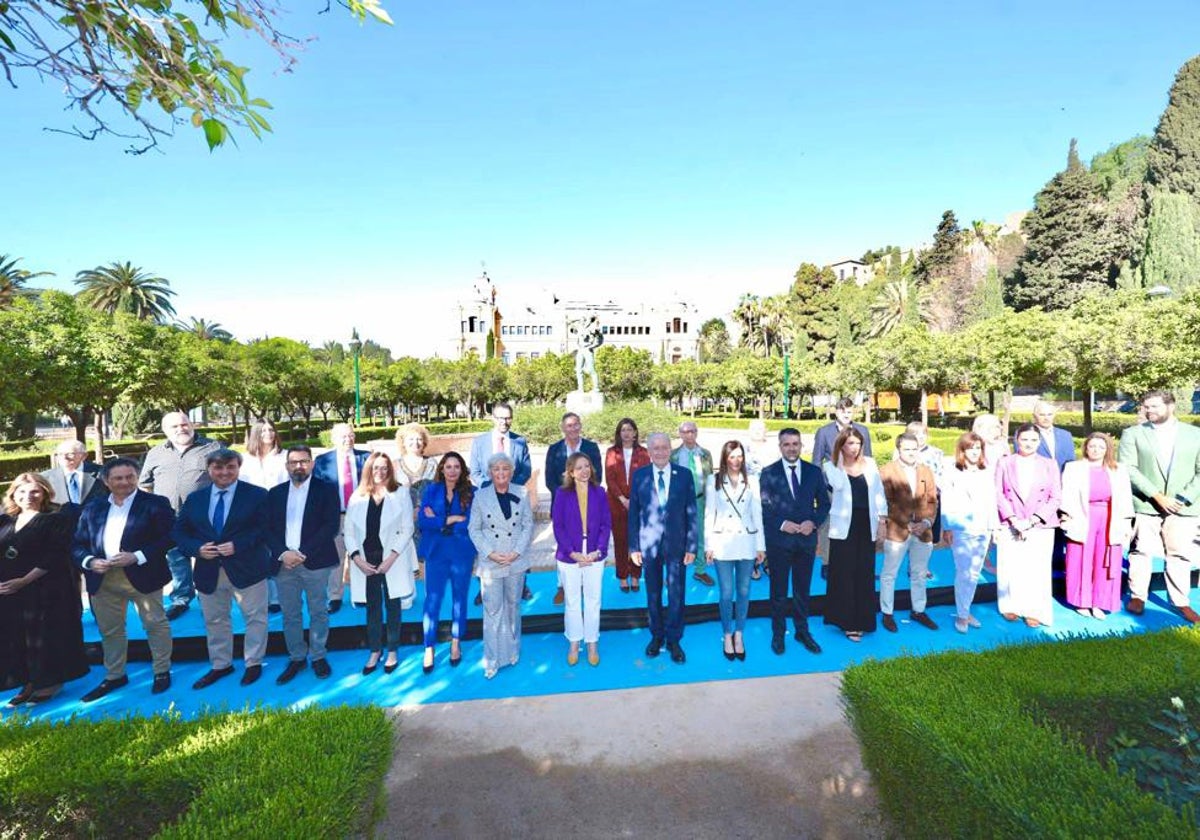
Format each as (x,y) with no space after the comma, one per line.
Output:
(1042,499)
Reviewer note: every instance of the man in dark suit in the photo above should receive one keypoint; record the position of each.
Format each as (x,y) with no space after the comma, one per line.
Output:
(341,467)
(75,479)
(303,520)
(795,504)
(662,539)
(1056,444)
(121,544)
(222,528)
(556,462)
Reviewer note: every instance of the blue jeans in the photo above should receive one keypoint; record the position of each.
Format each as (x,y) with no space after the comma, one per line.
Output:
(182,588)
(727,571)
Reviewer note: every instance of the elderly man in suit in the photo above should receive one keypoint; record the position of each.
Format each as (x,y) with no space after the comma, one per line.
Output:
(1056,443)
(795,503)
(341,467)
(912,504)
(75,479)
(222,527)
(556,463)
(1163,459)
(662,540)
(303,519)
(843,414)
(698,461)
(121,544)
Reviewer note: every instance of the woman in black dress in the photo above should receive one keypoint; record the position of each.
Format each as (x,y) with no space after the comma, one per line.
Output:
(41,632)
(857,505)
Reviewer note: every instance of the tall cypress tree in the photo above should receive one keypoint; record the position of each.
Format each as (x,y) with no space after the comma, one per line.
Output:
(945,251)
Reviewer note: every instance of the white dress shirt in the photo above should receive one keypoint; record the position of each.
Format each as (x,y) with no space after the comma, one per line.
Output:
(114,529)
(297,499)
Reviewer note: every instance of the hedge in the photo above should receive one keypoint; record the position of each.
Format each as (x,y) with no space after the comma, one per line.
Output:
(1013,742)
(449,427)
(265,773)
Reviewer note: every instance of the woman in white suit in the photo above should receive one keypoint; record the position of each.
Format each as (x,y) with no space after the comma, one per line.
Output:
(378,534)
(969,517)
(733,537)
(501,528)
(1097,520)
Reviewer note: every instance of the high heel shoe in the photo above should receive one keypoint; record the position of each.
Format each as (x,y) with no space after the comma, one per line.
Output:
(455,660)
(370,669)
(729,654)
(387,669)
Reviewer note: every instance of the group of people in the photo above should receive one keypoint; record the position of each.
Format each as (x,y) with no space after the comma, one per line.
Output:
(280,529)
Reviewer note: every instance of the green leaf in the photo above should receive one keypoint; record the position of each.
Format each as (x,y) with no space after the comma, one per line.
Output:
(260,103)
(215,132)
(133,95)
(7,41)
(260,120)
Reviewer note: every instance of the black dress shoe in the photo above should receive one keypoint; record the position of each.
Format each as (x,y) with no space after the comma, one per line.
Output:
(777,645)
(889,623)
(274,608)
(291,671)
(740,654)
(924,620)
(21,696)
(321,669)
(387,669)
(161,683)
(104,688)
(810,644)
(677,654)
(212,676)
(729,654)
(335,605)
(176,610)
(251,674)
(654,647)
(454,663)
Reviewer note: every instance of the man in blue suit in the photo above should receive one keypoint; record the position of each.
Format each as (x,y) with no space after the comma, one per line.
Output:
(662,539)
(121,544)
(1056,443)
(222,528)
(303,520)
(556,462)
(795,503)
(341,467)
(500,439)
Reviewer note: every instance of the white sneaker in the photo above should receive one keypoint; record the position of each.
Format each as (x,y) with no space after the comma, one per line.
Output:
(1099,614)
(960,624)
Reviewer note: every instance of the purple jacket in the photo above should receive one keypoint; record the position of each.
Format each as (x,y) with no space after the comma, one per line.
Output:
(568,530)
(1042,499)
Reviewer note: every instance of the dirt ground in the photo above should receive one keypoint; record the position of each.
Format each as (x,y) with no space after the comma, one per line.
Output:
(758,758)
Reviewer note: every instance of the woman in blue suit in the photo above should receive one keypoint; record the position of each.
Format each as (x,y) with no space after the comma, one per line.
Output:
(448,551)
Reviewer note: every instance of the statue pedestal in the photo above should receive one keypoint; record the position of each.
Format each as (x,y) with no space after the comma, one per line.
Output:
(584,403)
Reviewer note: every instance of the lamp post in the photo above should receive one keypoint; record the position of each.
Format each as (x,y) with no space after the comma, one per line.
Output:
(356,350)
(787,379)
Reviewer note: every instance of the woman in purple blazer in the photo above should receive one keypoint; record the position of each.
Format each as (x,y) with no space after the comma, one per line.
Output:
(582,526)
(1028,495)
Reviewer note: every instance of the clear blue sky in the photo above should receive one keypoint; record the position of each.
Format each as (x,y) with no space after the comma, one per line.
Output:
(612,149)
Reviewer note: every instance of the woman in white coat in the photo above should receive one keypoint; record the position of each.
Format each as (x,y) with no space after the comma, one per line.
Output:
(733,537)
(969,518)
(378,534)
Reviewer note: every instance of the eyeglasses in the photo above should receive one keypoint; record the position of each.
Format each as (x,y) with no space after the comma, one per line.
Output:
(295,463)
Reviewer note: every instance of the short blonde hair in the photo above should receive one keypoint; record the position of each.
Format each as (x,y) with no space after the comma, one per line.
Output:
(412,429)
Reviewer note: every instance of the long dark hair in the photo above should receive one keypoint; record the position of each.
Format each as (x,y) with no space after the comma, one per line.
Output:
(625,421)
(463,488)
(723,470)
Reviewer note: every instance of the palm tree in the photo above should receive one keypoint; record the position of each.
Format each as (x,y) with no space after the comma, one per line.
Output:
(748,315)
(13,279)
(205,329)
(900,302)
(122,287)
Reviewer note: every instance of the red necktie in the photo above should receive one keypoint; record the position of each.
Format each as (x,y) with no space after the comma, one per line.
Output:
(347,480)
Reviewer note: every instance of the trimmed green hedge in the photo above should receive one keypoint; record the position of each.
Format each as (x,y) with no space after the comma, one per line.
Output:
(451,427)
(1013,742)
(265,773)
(542,424)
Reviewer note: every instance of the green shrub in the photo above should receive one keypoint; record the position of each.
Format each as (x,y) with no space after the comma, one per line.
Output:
(449,427)
(1168,763)
(263,773)
(541,424)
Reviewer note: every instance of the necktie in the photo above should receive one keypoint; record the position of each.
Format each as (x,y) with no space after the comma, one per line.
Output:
(74,488)
(347,480)
(502,444)
(662,491)
(218,521)
(795,482)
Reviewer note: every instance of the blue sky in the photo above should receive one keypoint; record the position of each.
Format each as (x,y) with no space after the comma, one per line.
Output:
(609,150)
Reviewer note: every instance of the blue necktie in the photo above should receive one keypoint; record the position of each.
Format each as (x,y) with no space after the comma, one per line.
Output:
(74,488)
(662,491)
(795,483)
(218,521)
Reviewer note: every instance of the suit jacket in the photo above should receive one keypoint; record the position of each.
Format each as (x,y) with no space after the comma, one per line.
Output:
(614,470)
(969,501)
(148,530)
(1041,499)
(733,526)
(1139,453)
(1064,447)
(1076,488)
(318,527)
(826,436)
(556,462)
(91,484)
(903,506)
(325,467)
(440,541)
(568,528)
(395,534)
(490,531)
(811,505)
(667,535)
(518,450)
(679,456)
(245,527)
(841,499)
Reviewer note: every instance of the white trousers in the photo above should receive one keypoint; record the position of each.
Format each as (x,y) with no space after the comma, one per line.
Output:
(970,550)
(581,603)
(1023,574)
(918,564)
(1168,537)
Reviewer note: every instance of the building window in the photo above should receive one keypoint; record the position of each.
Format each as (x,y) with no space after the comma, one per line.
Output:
(685,326)
(675,325)
(534,355)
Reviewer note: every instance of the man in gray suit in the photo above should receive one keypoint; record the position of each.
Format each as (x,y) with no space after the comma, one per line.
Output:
(75,480)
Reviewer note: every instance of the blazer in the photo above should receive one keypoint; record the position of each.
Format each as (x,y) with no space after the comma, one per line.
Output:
(842,503)
(903,506)
(244,527)
(1076,487)
(148,530)
(490,531)
(1139,453)
(518,450)
(396,534)
(91,485)
(969,501)
(811,505)
(663,536)
(680,456)
(826,436)
(1064,446)
(318,527)
(438,540)
(325,467)
(556,462)
(614,470)
(1040,500)
(733,521)
(568,529)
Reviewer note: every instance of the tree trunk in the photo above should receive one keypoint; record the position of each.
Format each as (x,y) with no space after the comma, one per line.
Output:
(99,456)
(1088,396)
(924,408)
(1006,401)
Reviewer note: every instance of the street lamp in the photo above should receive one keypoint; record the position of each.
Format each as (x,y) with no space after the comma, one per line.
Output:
(356,350)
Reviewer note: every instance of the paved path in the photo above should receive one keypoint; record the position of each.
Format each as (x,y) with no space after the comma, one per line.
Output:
(759,758)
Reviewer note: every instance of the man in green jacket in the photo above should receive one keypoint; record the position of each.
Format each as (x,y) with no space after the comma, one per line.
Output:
(696,458)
